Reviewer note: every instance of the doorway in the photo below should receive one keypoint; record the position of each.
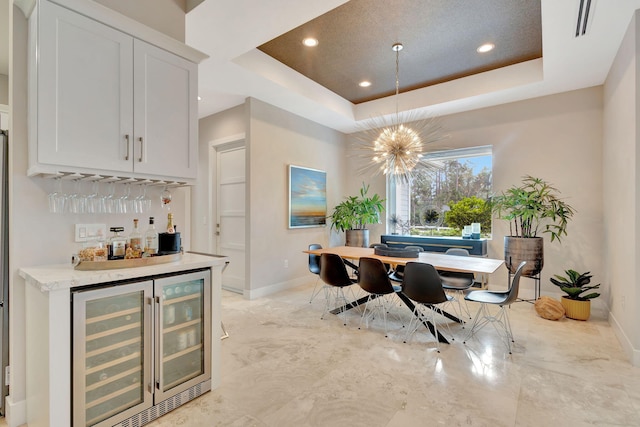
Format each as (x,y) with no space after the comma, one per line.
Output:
(229,213)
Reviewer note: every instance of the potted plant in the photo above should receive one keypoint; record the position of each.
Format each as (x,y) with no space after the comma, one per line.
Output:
(354,214)
(531,208)
(576,304)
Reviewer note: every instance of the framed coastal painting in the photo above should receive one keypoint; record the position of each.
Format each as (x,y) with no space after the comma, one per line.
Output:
(307,197)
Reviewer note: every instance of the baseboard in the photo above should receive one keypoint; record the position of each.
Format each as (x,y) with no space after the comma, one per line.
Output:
(627,346)
(276,287)
(15,412)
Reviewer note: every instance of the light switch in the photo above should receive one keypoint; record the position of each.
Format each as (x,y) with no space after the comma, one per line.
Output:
(86,232)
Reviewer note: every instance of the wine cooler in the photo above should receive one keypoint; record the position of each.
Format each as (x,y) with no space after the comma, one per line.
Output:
(140,349)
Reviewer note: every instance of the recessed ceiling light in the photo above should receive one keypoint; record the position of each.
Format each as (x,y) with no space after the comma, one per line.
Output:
(199,98)
(364,83)
(310,42)
(487,47)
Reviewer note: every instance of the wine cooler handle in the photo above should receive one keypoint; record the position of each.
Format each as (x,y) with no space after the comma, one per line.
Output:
(158,371)
(126,137)
(150,360)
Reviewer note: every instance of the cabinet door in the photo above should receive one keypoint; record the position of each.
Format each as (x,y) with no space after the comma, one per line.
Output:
(112,353)
(85,91)
(183,336)
(165,113)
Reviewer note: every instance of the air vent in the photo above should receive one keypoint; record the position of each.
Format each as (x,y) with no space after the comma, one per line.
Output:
(583,17)
(159,409)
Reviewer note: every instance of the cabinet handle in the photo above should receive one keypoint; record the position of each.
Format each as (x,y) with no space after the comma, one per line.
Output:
(126,137)
(141,147)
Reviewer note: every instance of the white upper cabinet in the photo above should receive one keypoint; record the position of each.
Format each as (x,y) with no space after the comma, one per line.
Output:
(165,112)
(105,102)
(84,92)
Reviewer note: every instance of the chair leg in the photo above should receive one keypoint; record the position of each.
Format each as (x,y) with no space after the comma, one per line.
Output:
(338,300)
(340,297)
(500,322)
(316,290)
(380,304)
(418,318)
(327,301)
(440,310)
(460,310)
(413,323)
(366,313)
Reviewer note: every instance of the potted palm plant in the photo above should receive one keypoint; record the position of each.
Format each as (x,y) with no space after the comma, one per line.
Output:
(532,208)
(354,214)
(576,304)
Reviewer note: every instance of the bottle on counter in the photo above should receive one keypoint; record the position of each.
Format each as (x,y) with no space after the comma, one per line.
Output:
(117,243)
(170,227)
(134,243)
(151,239)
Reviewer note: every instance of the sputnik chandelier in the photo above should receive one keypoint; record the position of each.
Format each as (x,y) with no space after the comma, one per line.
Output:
(398,147)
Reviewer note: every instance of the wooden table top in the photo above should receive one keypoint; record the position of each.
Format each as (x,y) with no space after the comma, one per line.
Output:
(440,261)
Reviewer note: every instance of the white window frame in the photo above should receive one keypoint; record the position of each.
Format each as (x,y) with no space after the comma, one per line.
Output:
(435,157)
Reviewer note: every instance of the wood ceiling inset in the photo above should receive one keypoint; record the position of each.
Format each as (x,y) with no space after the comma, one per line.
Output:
(440,39)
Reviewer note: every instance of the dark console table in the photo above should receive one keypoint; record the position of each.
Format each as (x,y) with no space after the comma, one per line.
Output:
(477,247)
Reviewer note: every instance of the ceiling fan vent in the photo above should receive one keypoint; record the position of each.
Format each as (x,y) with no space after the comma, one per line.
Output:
(583,17)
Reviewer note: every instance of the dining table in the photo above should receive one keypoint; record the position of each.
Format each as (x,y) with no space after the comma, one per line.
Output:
(467,264)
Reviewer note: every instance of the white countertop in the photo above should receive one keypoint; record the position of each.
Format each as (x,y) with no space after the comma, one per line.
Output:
(63,276)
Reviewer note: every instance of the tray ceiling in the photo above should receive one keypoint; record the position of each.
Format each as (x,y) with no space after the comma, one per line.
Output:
(440,39)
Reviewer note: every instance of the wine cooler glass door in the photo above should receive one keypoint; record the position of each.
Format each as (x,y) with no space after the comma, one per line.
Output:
(112,353)
(183,336)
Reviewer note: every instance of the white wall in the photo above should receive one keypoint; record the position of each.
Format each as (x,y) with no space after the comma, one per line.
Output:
(276,139)
(4,89)
(621,184)
(38,237)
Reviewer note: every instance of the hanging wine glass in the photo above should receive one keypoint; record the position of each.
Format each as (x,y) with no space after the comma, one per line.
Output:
(142,202)
(92,199)
(165,198)
(57,198)
(109,198)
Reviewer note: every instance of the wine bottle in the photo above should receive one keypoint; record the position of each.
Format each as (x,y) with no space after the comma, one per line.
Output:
(170,228)
(135,242)
(117,244)
(151,239)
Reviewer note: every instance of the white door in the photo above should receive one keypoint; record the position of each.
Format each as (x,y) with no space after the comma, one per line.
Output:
(230,213)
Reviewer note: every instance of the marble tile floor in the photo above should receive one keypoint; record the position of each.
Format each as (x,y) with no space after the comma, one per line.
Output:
(284,366)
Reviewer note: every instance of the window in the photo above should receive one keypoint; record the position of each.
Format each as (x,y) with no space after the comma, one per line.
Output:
(440,200)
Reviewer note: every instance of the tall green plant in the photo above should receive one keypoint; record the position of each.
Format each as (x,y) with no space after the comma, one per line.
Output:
(356,212)
(531,206)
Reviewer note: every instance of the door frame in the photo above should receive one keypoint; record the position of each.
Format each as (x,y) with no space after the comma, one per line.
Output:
(230,142)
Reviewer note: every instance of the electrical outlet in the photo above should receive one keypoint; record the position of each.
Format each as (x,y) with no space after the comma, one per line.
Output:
(286,263)
(86,232)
